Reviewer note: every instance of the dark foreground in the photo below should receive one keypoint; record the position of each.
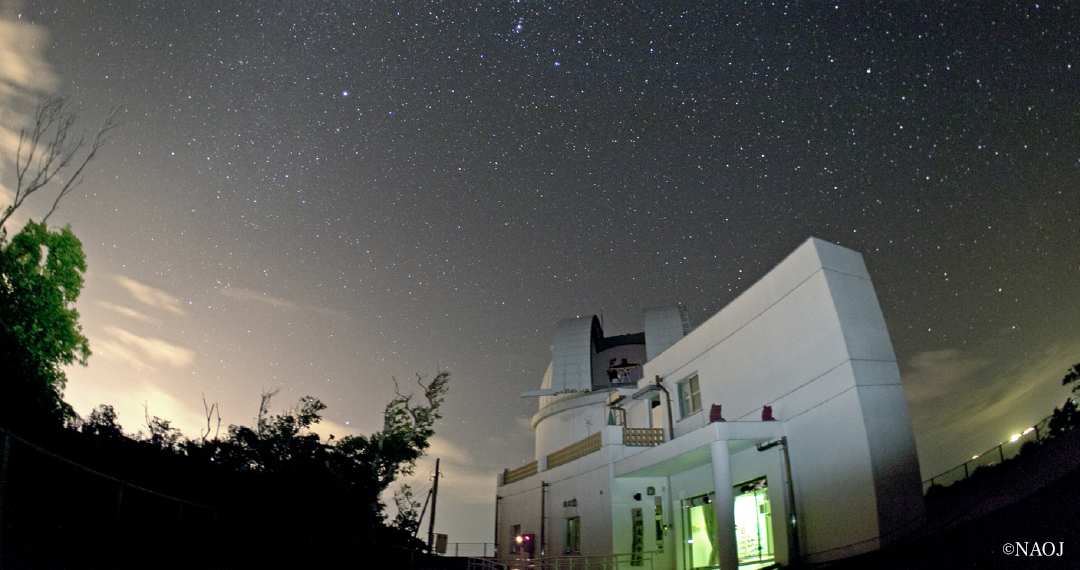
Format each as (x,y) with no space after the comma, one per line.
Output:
(1022,514)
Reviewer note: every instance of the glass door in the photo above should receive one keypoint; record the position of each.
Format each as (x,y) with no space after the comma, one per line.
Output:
(753,524)
(699,532)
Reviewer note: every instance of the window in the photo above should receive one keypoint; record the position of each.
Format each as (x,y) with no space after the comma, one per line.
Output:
(689,396)
(573,535)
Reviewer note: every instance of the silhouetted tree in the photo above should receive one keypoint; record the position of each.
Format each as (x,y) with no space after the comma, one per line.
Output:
(161,433)
(369,464)
(1072,376)
(408,516)
(102,423)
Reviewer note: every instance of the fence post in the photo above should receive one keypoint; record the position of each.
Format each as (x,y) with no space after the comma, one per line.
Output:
(114,549)
(965,470)
(178,543)
(1001,454)
(5,453)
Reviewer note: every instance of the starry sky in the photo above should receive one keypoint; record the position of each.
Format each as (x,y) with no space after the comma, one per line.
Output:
(322,196)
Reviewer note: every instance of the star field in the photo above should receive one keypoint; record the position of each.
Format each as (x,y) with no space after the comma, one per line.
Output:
(326,194)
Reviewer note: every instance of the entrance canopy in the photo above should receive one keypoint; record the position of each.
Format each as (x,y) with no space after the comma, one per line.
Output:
(694,449)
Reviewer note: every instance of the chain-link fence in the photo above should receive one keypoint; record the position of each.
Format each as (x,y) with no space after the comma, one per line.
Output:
(993,456)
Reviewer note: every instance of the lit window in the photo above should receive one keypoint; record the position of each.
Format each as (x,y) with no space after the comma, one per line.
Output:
(573,535)
(689,396)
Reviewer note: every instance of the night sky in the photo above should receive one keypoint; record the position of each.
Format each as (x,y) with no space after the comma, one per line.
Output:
(322,195)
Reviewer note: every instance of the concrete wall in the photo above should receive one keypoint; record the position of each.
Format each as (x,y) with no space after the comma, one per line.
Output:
(809,339)
(586,482)
(569,419)
(622,505)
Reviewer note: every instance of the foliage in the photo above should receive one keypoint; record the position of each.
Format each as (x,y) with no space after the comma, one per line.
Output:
(1067,416)
(41,271)
(370,464)
(281,443)
(41,276)
(102,423)
(162,435)
(1072,377)
(408,517)
(1064,418)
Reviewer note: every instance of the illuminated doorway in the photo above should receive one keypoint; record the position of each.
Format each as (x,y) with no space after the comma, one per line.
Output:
(753,525)
(699,532)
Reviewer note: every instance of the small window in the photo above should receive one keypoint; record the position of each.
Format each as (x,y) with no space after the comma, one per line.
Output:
(573,535)
(689,396)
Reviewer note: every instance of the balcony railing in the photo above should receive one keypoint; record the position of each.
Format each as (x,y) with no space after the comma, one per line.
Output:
(633,437)
(574,451)
(523,472)
(642,437)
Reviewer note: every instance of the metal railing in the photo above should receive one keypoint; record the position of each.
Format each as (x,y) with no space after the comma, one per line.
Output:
(486,564)
(643,561)
(993,456)
(472,549)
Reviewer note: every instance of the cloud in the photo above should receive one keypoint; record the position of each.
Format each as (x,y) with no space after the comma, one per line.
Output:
(249,295)
(962,404)
(934,374)
(24,77)
(127,312)
(150,296)
(143,352)
(468,480)
(255,296)
(22,65)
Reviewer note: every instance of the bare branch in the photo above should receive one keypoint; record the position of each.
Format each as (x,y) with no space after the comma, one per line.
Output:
(264,409)
(210,411)
(49,149)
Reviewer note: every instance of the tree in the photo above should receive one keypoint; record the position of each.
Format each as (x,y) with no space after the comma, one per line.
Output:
(408,515)
(50,151)
(102,423)
(41,275)
(41,271)
(370,464)
(1067,416)
(162,435)
(1072,376)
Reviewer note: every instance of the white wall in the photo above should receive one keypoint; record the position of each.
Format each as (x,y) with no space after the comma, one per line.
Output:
(569,419)
(809,339)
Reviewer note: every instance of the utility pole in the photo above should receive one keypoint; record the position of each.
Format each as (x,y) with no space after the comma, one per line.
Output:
(434,500)
(543,518)
(496,547)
